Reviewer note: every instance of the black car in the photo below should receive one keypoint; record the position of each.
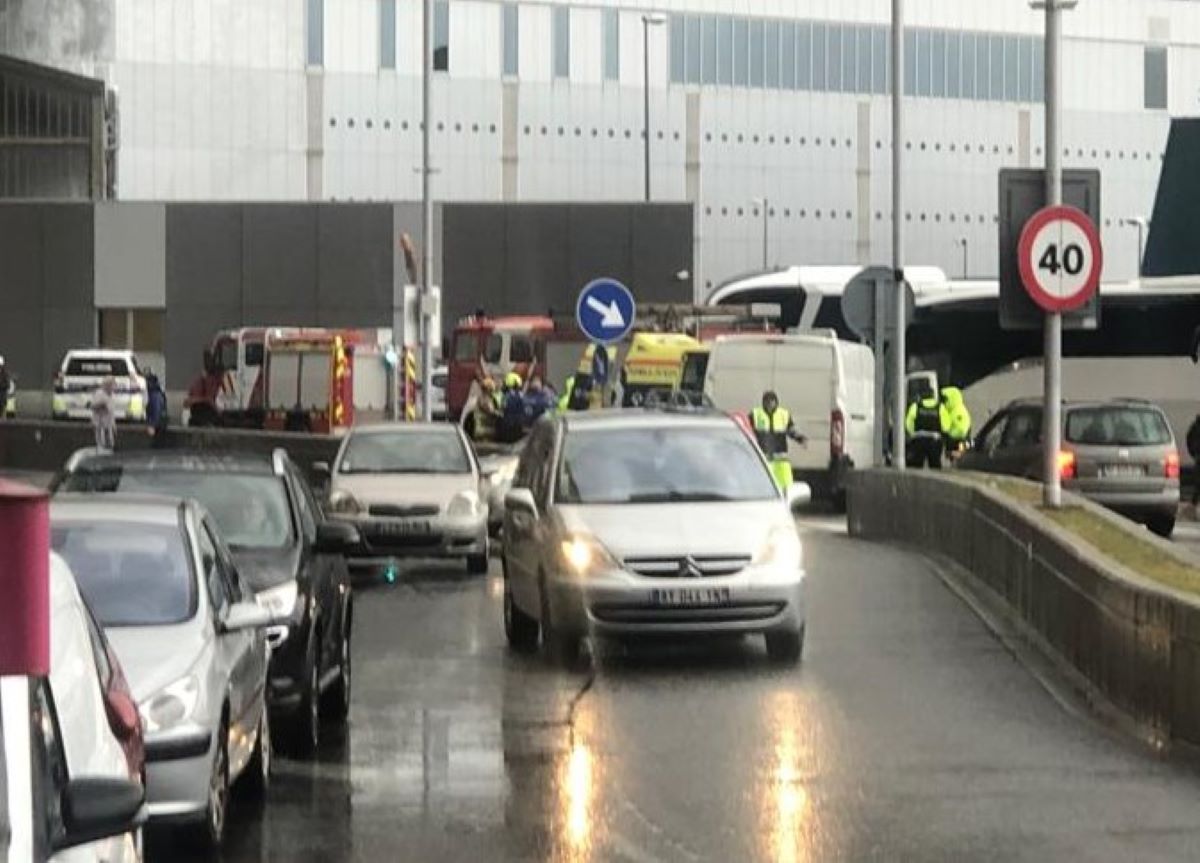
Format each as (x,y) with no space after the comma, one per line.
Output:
(284,549)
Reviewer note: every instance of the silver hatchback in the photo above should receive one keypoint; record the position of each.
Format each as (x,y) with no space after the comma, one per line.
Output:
(632,523)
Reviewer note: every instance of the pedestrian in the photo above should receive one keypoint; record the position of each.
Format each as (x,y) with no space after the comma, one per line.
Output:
(536,401)
(156,411)
(1193,448)
(7,408)
(487,410)
(773,426)
(958,419)
(512,410)
(926,424)
(103,415)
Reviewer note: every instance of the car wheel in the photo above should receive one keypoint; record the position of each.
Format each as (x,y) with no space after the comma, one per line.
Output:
(477,564)
(785,648)
(337,699)
(520,629)
(211,832)
(561,648)
(1162,525)
(257,778)
(304,737)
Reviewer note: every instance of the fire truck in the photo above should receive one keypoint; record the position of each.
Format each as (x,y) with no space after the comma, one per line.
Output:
(293,379)
(494,346)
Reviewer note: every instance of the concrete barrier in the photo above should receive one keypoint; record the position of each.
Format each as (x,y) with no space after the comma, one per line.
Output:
(1135,642)
(33,445)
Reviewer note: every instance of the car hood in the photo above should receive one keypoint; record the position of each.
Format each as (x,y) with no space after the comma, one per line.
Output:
(405,488)
(155,656)
(678,529)
(265,568)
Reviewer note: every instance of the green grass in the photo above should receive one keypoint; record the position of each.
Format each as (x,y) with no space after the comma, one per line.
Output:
(1126,546)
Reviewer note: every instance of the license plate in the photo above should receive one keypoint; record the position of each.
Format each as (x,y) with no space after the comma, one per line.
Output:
(405,528)
(673,597)
(1123,470)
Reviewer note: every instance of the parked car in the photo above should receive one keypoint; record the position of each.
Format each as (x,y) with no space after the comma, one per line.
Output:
(1121,454)
(284,548)
(411,489)
(827,384)
(439,382)
(497,471)
(662,523)
(80,375)
(190,637)
(48,811)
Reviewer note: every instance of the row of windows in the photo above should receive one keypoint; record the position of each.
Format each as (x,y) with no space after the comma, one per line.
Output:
(835,215)
(853,58)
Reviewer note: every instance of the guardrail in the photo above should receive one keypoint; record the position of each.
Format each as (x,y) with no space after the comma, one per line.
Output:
(1134,642)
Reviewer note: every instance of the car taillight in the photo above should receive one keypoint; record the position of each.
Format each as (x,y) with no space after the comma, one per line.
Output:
(58,382)
(1067,468)
(837,434)
(1171,466)
(124,718)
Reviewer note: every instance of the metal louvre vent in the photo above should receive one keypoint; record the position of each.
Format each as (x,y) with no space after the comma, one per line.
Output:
(398,511)
(708,566)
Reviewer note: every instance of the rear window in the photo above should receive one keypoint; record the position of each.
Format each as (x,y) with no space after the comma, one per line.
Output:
(97,367)
(1117,426)
(466,347)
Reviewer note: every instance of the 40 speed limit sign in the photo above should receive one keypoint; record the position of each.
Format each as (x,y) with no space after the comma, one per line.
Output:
(1060,258)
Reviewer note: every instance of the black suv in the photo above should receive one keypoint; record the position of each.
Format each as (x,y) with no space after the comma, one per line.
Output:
(284,549)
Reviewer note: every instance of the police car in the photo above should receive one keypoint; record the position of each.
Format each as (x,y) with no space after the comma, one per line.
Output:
(81,374)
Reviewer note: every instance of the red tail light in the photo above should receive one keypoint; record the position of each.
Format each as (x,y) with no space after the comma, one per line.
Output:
(124,718)
(58,382)
(1067,468)
(837,434)
(1171,467)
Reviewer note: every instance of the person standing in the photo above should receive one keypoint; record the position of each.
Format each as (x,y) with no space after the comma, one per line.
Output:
(5,395)
(104,420)
(958,421)
(926,423)
(156,411)
(773,426)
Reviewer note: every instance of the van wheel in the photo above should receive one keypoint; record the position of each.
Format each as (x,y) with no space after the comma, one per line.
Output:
(257,776)
(1162,525)
(210,833)
(520,629)
(785,648)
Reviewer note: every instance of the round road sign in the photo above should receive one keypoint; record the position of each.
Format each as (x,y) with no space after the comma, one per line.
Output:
(1060,258)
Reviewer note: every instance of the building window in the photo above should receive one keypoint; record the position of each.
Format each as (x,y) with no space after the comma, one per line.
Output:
(131,329)
(561,38)
(612,45)
(741,42)
(441,36)
(510,24)
(678,49)
(387,34)
(771,55)
(709,50)
(725,51)
(1156,78)
(693,49)
(316,32)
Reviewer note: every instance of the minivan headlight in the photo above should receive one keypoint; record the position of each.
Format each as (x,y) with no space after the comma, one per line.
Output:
(583,555)
(342,501)
(279,600)
(780,548)
(171,705)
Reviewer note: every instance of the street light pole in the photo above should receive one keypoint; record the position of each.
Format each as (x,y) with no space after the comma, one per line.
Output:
(1141,224)
(426,290)
(963,241)
(766,228)
(899,349)
(648,20)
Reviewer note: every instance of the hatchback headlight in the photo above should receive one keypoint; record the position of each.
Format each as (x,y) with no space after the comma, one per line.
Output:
(465,504)
(279,600)
(780,548)
(584,555)
(342,501)
(171,705)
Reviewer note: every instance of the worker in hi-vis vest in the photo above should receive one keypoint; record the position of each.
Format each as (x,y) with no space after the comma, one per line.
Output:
(772,427)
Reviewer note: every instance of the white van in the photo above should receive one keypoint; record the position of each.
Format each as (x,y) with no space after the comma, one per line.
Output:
(827,384)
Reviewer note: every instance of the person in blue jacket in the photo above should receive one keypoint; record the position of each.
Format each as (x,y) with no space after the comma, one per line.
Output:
(156,411)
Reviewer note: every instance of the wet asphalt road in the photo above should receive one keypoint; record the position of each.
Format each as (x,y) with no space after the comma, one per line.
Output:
(908,732)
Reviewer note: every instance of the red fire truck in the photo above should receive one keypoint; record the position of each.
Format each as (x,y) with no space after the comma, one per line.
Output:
(494,346)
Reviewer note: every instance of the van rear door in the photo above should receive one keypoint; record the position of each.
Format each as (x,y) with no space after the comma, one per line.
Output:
(805,377)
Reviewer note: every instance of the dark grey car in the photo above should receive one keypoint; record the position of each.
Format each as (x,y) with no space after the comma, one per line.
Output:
(1121,454)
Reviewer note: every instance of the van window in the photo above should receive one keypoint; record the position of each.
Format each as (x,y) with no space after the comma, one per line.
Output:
(86,366)
(466,347)
(254,353)
(495,348)
(1117,426)
(520,350)
(227,354)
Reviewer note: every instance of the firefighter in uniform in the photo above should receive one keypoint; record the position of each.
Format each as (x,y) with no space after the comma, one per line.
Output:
(927,425)
(772,427)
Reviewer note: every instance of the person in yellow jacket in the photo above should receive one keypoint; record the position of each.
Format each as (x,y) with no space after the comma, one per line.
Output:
(958,430)
(773,426)
(927,425)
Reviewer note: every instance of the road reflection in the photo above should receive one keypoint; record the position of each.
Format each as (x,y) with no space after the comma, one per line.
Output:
(787,832)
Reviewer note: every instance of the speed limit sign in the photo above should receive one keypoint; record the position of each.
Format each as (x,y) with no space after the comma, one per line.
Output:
(1060,258)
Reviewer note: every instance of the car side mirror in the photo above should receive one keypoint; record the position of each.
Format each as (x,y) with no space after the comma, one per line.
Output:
(521,500)
(321,469)
(799,495)
(95,807)
(336,537)
(246,615)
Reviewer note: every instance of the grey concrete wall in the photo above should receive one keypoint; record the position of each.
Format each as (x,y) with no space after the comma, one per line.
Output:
(1135,643)
(131,255)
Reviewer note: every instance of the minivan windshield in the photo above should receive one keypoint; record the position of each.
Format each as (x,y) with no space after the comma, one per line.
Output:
(131,574)
(1117,425)
(661,465)
(405,452)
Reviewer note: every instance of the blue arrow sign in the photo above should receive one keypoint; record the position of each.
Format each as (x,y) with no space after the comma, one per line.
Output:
(605,311)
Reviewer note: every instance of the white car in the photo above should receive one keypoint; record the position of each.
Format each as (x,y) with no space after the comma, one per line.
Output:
(412,490)
(437,395)
(82,727)
(81,374)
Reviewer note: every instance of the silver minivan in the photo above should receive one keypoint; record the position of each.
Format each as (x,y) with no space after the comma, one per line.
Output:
(190,637)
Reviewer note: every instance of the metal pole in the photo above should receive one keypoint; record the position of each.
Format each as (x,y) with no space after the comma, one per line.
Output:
(966,257)
(899,351)
(646,100)
(1141,226)
(1052,409)
(878,339)
(426,217)
(766,233)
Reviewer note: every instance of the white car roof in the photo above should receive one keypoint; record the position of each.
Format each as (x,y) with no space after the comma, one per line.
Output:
(101,353)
